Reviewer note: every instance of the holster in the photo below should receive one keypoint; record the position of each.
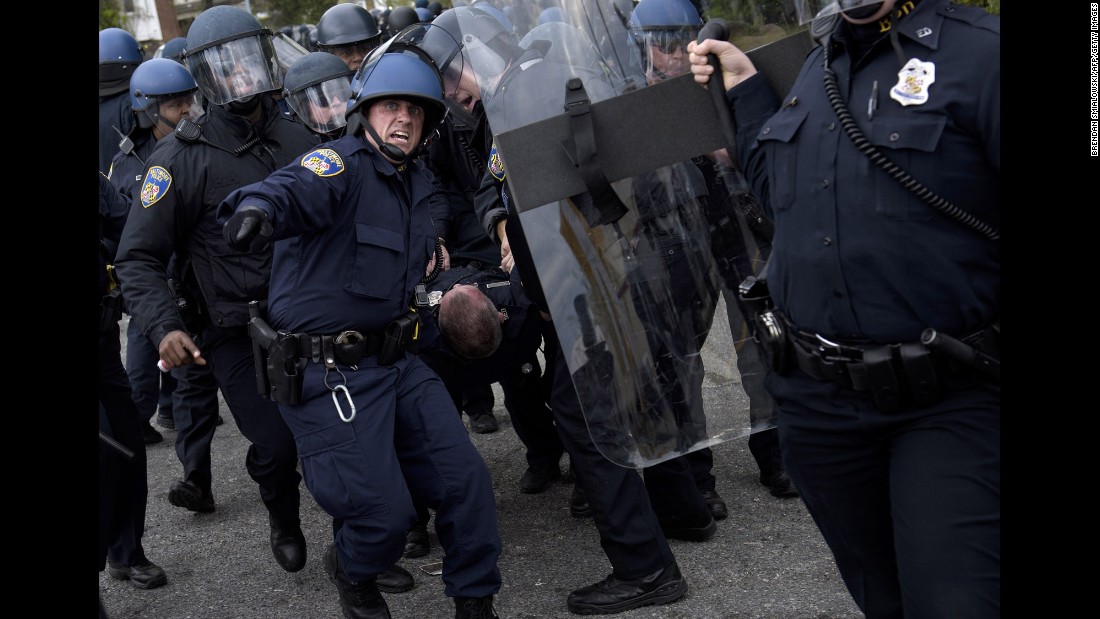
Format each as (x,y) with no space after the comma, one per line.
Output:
(110,309)
(275,359)
(284,369)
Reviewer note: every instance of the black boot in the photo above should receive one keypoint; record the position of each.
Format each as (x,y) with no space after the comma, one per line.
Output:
(779,483)
(417,542)
(475,608)
(288,544)
(613,595)
(358,600)
(396,579)
(578,504)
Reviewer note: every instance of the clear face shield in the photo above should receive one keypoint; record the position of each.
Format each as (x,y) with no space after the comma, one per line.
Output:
(237,70)
(286,51)
(483,63)
(809,10)
(165,111)
(664,53)
(322,106)
(353,53)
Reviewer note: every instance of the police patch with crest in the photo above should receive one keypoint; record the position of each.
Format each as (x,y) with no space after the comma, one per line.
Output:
(323,162)
(496,164)
(156,184)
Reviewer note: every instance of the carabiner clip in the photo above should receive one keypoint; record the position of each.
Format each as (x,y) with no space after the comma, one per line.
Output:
(336,402)
(347,394)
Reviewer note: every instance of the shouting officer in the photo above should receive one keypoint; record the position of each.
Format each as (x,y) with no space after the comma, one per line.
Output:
(241,138)
(881,168)
(375,426)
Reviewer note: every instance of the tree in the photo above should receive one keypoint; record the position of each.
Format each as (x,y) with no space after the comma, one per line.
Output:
(111,15)
(289,12)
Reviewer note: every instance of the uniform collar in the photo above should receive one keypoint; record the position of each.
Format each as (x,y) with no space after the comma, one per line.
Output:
(924,23)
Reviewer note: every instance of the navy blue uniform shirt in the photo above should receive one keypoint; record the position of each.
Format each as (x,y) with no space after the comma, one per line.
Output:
(358,237)
(856,255)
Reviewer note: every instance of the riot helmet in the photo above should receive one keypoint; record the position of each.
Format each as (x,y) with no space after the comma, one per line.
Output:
(349,32)
(424,14)
(163,91)
(173,50)
(232,58)
(119,55)
(661,31)
(809,10)
(397,70)
(287,51)
(316,87)
(436,7)
(421,4)
(483,47)
(401,17)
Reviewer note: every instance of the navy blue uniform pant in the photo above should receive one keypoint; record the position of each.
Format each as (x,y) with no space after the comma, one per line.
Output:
(630,532)
(525,399)
(272,459)
(909,502)
(123,485)
(405,440)
(152,388)
(195,410)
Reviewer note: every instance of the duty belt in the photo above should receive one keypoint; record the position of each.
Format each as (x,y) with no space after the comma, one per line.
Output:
(347,348)
(894,372)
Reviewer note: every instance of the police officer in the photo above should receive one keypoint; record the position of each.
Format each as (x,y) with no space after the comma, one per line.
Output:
(316,88)
(172,49)
(644,569)
(119,55)
(161,93)
(400,17)
(888,283)
(459,157)
(123,483)
(376,427)
(661,30)
(349,32)
(241,138)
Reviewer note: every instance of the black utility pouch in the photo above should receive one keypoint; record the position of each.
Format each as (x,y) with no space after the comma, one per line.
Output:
(397,336)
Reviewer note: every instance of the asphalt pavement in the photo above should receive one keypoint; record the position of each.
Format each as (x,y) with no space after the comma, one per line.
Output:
(766,561)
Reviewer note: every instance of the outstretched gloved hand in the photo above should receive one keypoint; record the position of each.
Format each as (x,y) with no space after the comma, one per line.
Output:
(248,229)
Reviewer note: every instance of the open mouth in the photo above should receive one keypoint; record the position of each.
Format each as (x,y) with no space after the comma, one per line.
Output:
(400,137)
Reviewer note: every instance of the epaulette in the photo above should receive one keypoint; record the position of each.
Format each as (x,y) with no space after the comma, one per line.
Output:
(977,17)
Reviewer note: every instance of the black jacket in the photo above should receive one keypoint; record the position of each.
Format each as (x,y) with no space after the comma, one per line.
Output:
(175,212)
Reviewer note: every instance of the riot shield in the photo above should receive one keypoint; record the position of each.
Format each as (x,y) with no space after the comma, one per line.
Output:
(639,231)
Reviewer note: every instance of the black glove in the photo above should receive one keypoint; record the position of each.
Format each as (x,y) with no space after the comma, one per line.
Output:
(248,229)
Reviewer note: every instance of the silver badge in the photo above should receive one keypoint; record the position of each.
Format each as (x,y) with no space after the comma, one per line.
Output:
(914,79)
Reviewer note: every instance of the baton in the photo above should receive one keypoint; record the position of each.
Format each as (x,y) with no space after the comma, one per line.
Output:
(119,447)
(962,352)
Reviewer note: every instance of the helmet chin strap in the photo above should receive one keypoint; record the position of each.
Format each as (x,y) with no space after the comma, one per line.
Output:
(391,151)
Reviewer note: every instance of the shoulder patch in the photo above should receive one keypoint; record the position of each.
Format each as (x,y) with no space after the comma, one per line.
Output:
(323,162)
(156,184)
(496,165)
